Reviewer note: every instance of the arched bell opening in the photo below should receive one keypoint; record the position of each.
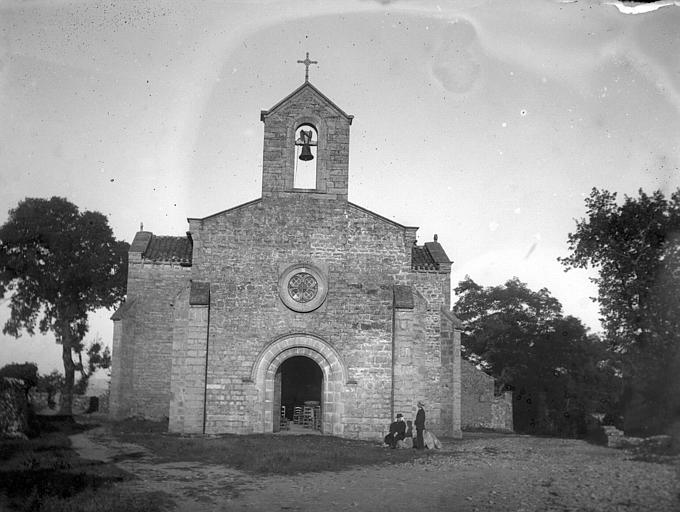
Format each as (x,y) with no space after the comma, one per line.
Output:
(306,157)
(299,394)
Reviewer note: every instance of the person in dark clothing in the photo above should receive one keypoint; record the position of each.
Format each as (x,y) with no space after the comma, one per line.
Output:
(397,431)
(420,426)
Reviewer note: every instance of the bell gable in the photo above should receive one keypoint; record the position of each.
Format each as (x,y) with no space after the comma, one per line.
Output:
(309,110)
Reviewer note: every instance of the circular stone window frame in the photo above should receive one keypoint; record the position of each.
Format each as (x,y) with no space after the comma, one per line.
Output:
(319,298)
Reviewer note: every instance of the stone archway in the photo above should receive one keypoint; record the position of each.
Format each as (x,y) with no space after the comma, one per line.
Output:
(316,349)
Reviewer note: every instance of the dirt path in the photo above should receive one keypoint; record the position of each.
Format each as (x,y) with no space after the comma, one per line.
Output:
(482,473)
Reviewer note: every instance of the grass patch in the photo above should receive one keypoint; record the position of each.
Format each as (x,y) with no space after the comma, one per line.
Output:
(267,453)
(44,474)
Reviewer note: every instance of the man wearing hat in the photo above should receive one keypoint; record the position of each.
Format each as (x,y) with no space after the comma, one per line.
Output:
(397,431)
(420,426)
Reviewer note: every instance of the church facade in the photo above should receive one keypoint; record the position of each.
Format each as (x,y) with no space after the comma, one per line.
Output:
(299,297)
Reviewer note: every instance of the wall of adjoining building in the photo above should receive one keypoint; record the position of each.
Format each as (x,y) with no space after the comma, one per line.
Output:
(142,340)
(480,407)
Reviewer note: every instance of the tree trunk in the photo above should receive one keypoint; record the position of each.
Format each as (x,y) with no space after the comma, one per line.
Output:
(69,376)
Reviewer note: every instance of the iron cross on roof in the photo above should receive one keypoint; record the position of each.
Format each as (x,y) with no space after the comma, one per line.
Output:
(307,62)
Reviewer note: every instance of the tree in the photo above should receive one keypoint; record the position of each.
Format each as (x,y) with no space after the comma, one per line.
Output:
(550,362)
(96,359)
(58,264)
(635,247)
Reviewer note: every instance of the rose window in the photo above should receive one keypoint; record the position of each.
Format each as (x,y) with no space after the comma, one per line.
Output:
(303,287)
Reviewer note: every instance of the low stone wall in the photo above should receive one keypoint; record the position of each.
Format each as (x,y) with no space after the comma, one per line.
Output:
(617,439)
(13,408)
(40,400)
(81,403)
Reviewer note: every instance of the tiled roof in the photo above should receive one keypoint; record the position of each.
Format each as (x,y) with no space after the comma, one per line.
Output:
(176,249)
(421,259)
(430,256)
(437,251)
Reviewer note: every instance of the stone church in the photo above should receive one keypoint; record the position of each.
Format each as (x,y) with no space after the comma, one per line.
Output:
(298,297)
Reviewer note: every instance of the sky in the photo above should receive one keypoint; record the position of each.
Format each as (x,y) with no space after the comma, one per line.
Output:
(486,123)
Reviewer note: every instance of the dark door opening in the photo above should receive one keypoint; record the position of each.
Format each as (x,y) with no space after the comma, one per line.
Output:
(301,383)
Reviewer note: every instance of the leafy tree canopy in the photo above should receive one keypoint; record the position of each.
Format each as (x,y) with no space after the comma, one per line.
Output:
(503,324)
(634,244)
(635,247)
(550,361)
(57,264)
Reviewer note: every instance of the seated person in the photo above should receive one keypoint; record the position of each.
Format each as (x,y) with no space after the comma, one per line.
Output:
(397,431)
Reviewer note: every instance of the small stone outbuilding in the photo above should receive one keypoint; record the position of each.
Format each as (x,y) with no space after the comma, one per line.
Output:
(299,297)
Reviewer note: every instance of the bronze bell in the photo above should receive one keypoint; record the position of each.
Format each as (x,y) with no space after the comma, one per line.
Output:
(306,153)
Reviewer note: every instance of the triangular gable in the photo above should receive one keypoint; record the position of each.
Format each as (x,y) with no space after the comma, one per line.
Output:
(306,85)
(378,216)
(228,210)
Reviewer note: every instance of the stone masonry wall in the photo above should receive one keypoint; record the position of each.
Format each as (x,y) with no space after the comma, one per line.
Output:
(144,367)
(418,372)
(433,368)
(409,367)
(121,368)
(188,366)
(451,377)
(242,253)
(480,407)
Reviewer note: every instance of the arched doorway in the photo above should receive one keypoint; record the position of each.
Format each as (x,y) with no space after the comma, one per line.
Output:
(301,384)
(265,371)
